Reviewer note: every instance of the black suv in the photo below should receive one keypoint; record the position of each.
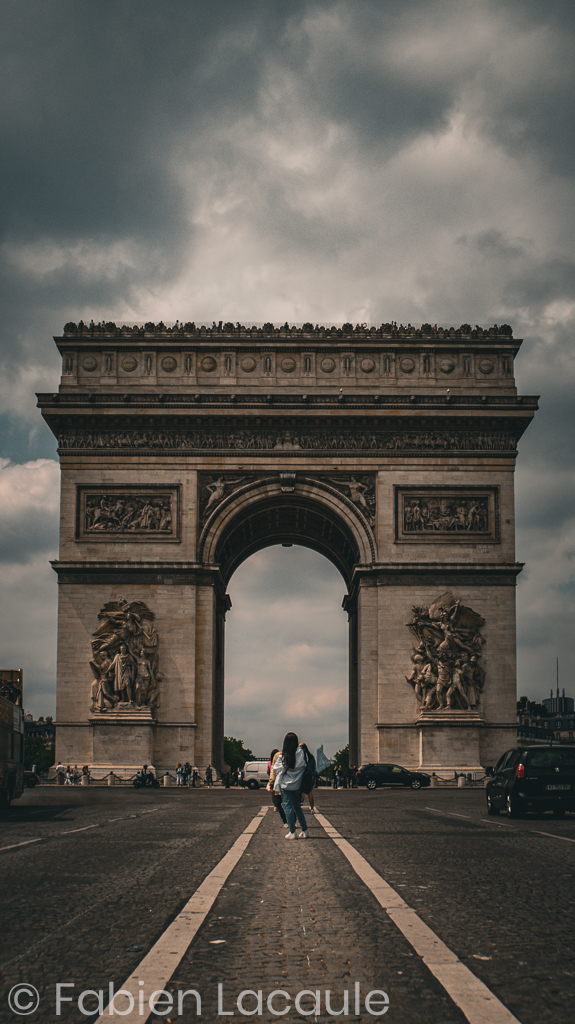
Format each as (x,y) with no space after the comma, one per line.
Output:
(374,775)
(538,778)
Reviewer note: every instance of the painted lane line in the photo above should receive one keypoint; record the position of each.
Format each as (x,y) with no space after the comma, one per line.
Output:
(15,846)
(500,824)
(84,829)
(473,998)
(477,821)
(565,839)
(154,972)
(450,814)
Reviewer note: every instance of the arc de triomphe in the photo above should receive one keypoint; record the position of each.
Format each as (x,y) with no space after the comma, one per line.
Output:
(390,450)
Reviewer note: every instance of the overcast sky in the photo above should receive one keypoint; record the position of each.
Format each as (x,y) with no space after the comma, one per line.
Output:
(408,160)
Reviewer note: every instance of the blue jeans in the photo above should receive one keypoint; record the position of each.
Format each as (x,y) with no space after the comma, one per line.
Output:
(291,799)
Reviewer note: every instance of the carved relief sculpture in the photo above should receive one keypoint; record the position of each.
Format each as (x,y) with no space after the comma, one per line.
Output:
(214,491)
(123,512)
(124,659)
(445,515)
(361,490)
(446,661)
(128,513)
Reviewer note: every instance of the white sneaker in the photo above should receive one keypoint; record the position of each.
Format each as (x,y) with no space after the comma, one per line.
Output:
(290,835)
(303,835)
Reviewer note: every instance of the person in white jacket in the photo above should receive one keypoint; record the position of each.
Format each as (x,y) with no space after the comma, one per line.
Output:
(285,778)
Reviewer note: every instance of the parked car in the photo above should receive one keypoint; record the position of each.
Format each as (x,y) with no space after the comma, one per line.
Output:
(538,778)
(256,774)
(374,775)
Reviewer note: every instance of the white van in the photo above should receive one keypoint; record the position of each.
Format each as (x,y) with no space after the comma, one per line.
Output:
(256,774)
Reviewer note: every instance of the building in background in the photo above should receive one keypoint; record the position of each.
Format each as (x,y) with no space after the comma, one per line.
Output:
(321,760)
(12,684)
(552,719)
(43,728)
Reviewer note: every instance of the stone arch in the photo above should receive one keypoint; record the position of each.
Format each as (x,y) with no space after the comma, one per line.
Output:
(281,510)
(286,509)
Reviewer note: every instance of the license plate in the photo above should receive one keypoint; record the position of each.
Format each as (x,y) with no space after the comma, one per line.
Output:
(559,787)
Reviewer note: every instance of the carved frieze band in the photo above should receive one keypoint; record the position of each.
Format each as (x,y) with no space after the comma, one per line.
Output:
(263,440)
(447,514)
(120,512)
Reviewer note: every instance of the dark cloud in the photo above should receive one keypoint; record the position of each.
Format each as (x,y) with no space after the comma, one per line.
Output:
(318,159)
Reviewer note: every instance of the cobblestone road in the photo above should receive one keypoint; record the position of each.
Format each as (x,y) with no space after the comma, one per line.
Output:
(92,878)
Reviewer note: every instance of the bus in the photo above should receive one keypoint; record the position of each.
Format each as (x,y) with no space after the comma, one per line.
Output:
(11,736)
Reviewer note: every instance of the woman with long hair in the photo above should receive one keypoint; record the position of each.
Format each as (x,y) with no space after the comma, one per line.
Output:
(285,777)
(276,797)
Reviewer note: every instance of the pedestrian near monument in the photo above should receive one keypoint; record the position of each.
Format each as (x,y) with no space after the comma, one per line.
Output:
(285,777)
(276,797)
(209,775)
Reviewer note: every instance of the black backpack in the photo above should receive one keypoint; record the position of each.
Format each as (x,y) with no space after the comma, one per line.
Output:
(308,777)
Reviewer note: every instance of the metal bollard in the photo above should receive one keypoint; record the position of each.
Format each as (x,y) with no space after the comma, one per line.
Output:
(433,782)
(461,782)
(111,779)
(85,780)
(167,779)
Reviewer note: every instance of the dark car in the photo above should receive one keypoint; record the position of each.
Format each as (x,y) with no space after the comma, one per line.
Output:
(374,775)
(539,778)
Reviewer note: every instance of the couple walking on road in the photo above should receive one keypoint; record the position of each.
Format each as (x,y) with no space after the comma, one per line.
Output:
(292,772)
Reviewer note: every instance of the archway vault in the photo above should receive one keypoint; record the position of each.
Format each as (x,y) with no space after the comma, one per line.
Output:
(287,509)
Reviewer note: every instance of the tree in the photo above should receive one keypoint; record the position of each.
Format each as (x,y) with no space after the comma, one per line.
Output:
(235,754)
(341,759)
(36,752)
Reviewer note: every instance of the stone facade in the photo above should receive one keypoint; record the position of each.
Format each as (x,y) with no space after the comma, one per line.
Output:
(390,450)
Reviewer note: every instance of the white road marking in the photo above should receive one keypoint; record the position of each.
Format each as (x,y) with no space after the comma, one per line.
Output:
(500,824)
(84,829)
(15,845)
(450,814)
(483,821)
(154,972)
(551,835)
(475,1000)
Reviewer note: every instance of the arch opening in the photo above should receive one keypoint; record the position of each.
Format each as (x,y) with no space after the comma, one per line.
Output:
(286,651)
(286,519)
(268,512)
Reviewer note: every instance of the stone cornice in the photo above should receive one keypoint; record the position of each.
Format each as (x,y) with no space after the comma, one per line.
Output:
(68,402)
(391,330)
(432,574)
(141,574)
